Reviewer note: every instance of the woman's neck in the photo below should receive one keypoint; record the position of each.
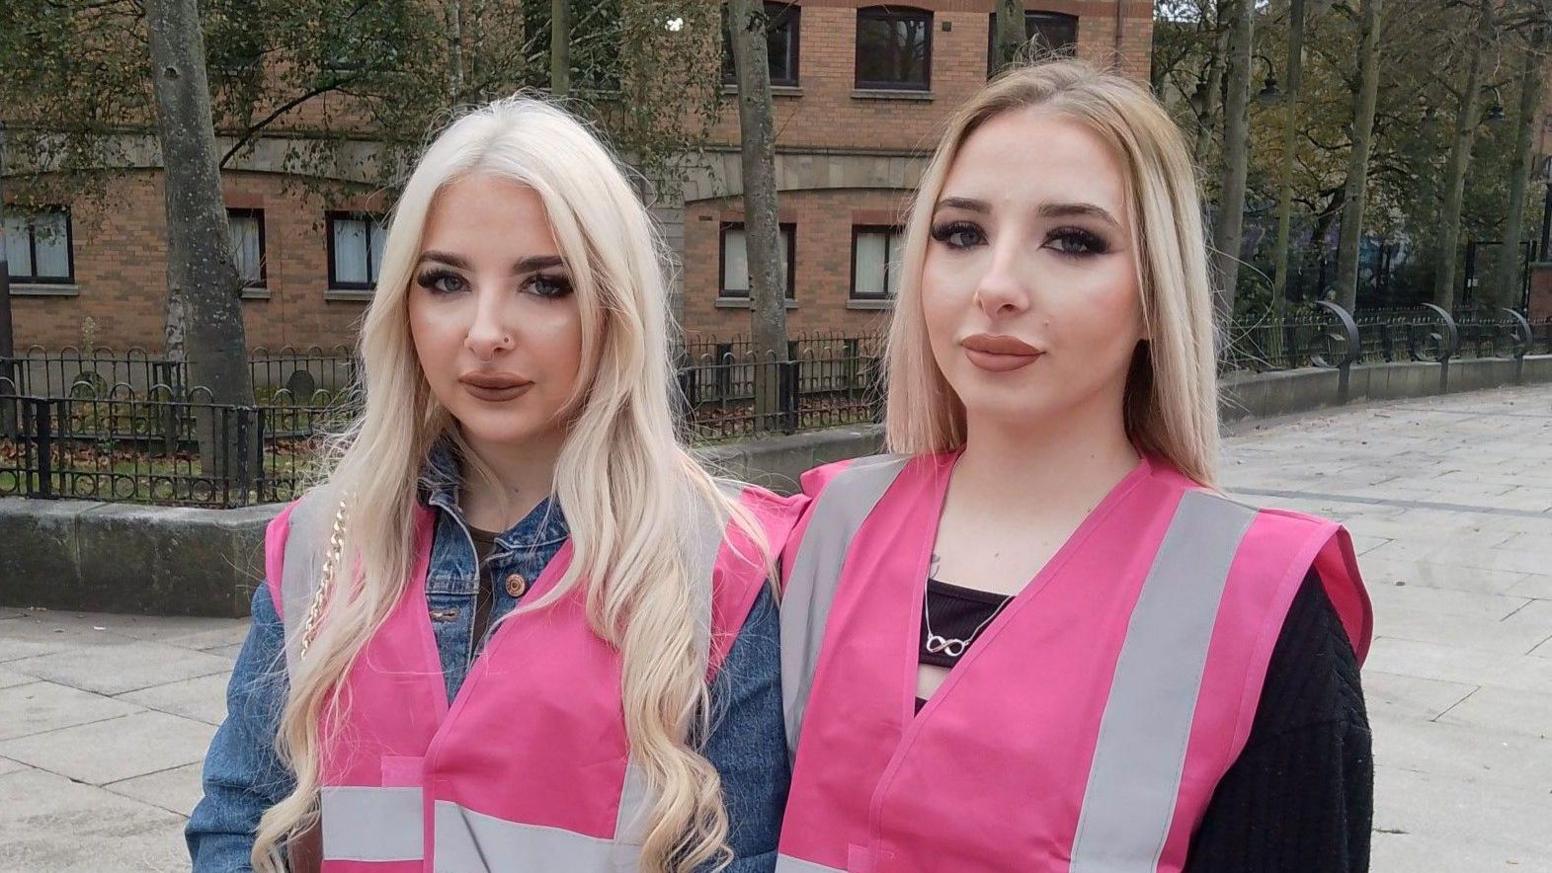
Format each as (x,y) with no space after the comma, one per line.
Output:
(1065,465)
(521,477)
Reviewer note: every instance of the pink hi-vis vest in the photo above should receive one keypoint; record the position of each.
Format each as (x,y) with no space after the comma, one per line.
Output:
(529,768)
(1086,729)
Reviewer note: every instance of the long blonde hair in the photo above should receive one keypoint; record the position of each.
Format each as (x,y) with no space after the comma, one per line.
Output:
(627,487)
(1170,407)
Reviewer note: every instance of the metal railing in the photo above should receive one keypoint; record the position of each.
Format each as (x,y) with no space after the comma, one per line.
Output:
(66,430)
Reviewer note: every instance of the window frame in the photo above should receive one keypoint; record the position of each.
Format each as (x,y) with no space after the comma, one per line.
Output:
(794,20)
(792,244)
(892,13)
(1030,15)
(334,215)
(258,215)
(889,231)
(32,248)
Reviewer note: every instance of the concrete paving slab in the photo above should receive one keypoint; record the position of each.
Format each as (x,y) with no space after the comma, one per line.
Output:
(230,632)
(119,748)
(1462,629)
(202,699)
(1450,601)
(49,824)
(9,766)
(1380,569)
(1470,827)
(135,664)
(1393,696)
(1494,710)
(45,706)
(177,790)
(1537,585)
(1429,660)
(10,678)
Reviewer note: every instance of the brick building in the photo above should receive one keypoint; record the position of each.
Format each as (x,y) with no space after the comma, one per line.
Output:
(860,94)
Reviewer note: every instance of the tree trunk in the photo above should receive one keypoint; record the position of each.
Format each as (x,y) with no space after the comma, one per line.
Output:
(1293,79)
(1205,103)
(202,280)
(1012,36)
(1466,121)
(560,47)
(762,235)
(455,38)
(1236,155)
(1508,279)
(1350,243)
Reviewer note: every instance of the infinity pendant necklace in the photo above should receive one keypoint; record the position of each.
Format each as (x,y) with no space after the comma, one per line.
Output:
(953,647)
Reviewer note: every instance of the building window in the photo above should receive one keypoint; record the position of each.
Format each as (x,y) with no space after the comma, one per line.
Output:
(248,244)
(781,39)
(1046,33)
(38,247)
(355,250)
(894,48)
(875,262)
(735,261)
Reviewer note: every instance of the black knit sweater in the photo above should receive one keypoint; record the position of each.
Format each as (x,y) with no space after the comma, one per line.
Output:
(1301,795)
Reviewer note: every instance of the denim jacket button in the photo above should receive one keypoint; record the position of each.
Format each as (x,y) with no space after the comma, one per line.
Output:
(516,585)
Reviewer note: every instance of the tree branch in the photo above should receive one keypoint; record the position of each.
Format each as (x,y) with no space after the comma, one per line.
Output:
(254,129)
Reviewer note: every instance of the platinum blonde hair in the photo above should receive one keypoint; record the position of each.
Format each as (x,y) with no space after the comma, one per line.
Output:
(1170,407)
(628,488)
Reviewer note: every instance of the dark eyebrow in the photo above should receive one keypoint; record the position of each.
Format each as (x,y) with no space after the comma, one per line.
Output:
(535,263)
(531,264)
(968,204)
(1068,210)
(447,258)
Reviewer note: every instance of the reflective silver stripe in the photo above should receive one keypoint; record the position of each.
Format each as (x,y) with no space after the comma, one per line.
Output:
(471,842)
(630,824)
(816,571)
(371,824)
(789,864)
(1135,776)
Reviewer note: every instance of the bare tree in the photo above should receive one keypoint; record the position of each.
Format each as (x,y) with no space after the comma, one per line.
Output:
(1012,35)
(1466,121)
(1358,160)
(1236,157)
(1508,275)
(762,234)
(560,47)
(203,286)
(1292,79)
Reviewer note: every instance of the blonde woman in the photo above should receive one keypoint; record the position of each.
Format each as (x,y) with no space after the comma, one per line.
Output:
(517,627)
(1035,637)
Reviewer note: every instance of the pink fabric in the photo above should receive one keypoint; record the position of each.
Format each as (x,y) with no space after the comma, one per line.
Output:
(545,685)
(991,774)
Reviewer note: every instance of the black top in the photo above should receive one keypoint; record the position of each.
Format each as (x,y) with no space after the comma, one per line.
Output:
(1300,797)
(484,544)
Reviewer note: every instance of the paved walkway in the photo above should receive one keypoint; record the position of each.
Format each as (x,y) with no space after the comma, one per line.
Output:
(104,718)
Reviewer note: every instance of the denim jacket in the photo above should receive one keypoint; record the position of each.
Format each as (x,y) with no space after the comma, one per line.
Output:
(243,776)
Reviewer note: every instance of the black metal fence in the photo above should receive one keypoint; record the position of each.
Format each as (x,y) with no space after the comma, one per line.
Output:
(1319,336)
(126,427)
(104,426)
